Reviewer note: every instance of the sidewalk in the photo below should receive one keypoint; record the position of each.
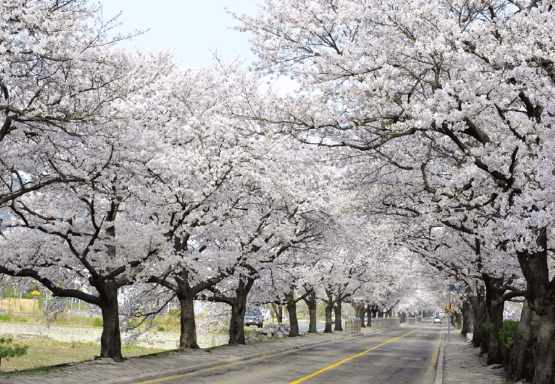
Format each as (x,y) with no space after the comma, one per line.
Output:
(461,364)
(135,370)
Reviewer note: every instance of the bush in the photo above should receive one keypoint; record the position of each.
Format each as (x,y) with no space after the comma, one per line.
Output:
(484,338)
(97,322)
(7,349)
(507,337)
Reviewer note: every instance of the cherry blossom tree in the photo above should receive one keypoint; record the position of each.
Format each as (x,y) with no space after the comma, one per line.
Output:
(67,240)
(466,86)
(79,239)
(60,75)
(279,229)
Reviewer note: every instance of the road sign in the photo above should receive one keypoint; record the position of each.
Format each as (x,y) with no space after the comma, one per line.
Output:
(456,288)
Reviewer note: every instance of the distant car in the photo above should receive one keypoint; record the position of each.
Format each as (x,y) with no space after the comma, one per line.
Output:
(254,317)
(437,320)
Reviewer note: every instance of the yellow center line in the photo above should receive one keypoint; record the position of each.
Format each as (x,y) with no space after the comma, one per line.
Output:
(350,358)
(434,357)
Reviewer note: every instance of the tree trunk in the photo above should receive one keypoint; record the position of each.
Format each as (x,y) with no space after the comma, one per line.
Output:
(541,299)
(110,341)
(278,312)
(388,313)
(521,352)
(480,316)
(545,348)
(374,311)
(369,316)
(188,336)
(238,310)
(310,301)
(328,309)
(494,306)
(337,310)
(359,310)
(292,311)
(380,314)
(467,318)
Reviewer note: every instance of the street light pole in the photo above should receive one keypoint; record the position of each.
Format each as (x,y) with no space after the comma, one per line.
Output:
(449,316)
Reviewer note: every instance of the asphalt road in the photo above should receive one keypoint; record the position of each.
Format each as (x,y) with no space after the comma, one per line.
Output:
(404,355)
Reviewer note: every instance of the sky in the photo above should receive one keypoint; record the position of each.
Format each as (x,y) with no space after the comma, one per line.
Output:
(192,28)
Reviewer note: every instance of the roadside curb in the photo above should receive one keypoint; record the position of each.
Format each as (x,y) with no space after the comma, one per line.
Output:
(439,368)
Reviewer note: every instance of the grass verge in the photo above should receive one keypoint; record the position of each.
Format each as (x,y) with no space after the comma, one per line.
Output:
(44,353)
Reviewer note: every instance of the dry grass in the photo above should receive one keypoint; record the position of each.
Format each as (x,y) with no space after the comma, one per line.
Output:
(165,323)
(44,352)
(64,320)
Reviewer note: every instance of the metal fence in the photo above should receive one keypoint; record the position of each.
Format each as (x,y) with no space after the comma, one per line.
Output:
(385,323)
(352,324)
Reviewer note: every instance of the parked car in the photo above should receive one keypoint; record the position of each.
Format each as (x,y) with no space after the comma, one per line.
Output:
(437,320)
(253,316)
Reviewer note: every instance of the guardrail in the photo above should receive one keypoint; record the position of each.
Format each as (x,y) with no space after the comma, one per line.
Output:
(352,325)
(385,323)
